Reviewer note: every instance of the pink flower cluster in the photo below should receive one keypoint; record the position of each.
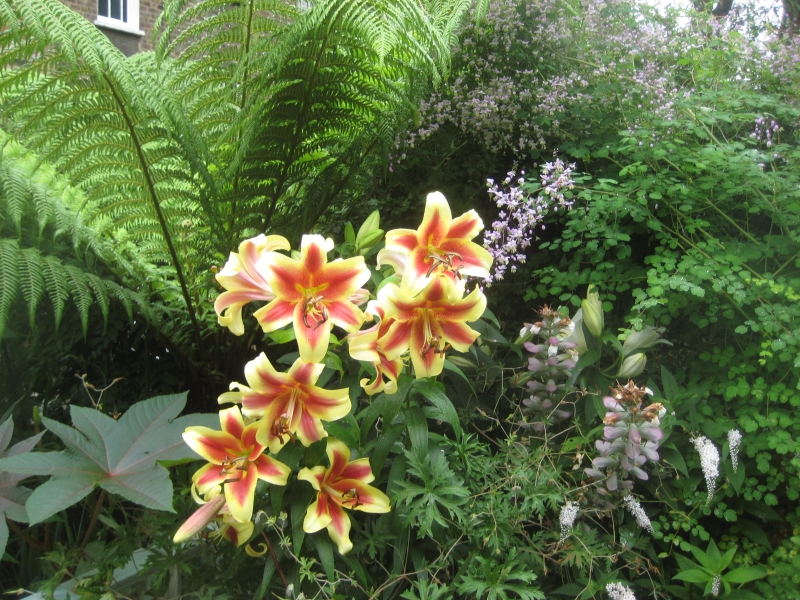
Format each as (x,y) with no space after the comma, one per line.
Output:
(632,435)
(523,208)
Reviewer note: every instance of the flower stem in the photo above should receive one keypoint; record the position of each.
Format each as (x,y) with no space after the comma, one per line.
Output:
(275,560)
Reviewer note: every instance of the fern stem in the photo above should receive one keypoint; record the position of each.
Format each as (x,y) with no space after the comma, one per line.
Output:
(159,213)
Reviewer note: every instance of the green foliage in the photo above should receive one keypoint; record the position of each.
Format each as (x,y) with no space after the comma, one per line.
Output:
(42,226)
(12,496)
(248,118)
(121,456)
(711,571)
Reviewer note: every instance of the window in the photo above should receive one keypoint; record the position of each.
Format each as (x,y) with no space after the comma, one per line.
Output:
(119,14)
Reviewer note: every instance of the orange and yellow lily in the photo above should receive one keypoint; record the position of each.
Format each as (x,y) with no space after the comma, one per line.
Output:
(364,346)
(429,323)
(313,294)
(215,509)
(287,404)
(440,245)
(242,278)
(236,463)
(342,485)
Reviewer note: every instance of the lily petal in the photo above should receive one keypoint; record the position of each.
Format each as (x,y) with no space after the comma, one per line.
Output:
(317,515)
(240,494)
(339,528)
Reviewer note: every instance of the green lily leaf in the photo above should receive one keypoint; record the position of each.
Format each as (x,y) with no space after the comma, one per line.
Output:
(694,576)
(745,574)
(120,456)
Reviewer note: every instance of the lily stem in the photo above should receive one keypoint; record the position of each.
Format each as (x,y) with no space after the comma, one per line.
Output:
(95,514)
(275,560)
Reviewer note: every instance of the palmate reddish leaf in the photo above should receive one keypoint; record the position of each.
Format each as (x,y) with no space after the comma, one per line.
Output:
(12,496)
(120,456)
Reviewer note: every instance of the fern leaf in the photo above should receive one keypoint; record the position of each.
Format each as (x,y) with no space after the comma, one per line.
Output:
(57,285)
(16,194)
(9,250)
(100,295)
(31,280)
(123,295)
(81,295)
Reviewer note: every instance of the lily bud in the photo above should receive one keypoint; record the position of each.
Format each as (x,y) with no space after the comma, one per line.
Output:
(576,337)
(370,224)
(593,312)
(632,366)
(642,340)
(200,519)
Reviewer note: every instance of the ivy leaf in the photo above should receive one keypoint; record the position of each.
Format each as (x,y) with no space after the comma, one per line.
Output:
(120,456)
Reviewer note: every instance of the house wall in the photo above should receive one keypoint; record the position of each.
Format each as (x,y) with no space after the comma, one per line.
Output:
(128,43)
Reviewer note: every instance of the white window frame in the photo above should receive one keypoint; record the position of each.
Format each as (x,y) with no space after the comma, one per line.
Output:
(129,26)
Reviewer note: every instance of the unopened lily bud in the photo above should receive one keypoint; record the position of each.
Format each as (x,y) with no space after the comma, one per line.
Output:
(368,241)
(642,340)
(576,336)
(200,519)
(593,312)
(370,224)
(632,366)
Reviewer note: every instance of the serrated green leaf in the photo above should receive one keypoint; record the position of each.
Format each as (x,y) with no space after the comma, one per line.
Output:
(57,494)
(121,456)
(434,393)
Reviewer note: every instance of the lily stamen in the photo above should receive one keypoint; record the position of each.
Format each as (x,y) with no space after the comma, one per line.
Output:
(311,307)
(445,260)
(352,498)
(433,344)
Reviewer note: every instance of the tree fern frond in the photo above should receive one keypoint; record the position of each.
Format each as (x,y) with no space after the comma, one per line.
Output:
(57,285)
(31,281)
(9,249)
(15,193)
(123,295)
(81,294)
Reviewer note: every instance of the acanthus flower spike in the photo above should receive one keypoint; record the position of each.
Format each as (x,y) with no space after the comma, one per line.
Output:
(440,245)
(288,404)
(236,462)
(243,280)
(313,294)
(428,324)
(343,485)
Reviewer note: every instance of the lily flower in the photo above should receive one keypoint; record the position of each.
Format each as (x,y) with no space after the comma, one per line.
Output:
(429,323)
(243,281)
(236,462)
(215,510)
(643,340)
(288,404)
(313,294)
(364,347)
(343,485)
(440,245)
